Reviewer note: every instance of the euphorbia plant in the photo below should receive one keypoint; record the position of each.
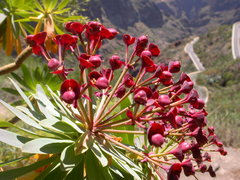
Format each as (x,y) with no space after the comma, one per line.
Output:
(93,128)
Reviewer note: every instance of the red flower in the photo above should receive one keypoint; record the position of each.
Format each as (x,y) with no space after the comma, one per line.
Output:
(128,80)
(113,32)
(100,80)
(115,62)
(70,91)
(164,100)
(174,66)
(76,28)
(155,134)
(37,42)
(95,60)
(153,48)
(66,40)
(142,94)
(93,30)
(128,40)
(141,44)
(174,172)
(188,168)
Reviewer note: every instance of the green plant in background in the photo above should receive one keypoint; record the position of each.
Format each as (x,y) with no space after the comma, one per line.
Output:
(10,30)
(31,77)
(17,17)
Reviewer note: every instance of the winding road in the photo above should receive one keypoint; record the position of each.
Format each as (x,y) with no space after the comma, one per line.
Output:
(236,40)
(203,91)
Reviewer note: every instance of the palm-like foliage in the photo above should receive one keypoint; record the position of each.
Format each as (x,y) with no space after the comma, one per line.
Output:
(19,17)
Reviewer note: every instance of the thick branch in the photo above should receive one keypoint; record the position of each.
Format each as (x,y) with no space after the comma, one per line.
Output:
(17,63)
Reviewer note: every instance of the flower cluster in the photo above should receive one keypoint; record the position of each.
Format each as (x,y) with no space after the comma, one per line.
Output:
(164,106)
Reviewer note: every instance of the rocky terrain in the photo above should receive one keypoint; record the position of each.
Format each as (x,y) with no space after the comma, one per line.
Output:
(164,20)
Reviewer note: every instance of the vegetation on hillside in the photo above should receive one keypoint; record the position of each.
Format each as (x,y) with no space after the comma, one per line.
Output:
(222,80)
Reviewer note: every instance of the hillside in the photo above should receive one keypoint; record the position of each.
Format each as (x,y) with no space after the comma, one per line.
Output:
(222,80)
(168,20)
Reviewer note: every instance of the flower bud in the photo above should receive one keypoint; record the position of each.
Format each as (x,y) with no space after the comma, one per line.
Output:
(95,60)
(199,104)
(146,53)
(120,92)
(203,168)
(155,134)
(174,66)
(53,64)
(142,41)
(140,97)
(102,83)
(68,96)
(128,40)
(114,33)
(157,140)
(165,76)
(153,48)
(188,167)
(186,87)
(115,62)
(164,100)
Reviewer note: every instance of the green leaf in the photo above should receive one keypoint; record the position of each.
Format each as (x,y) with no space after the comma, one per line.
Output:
(77,172)
(15,160)
(72,124)
(62,11)
(20,80)
(11,91)
(58,30)
(14,173)
(52,4)
(12,139)
(22,116)
(68,158)
(27,76)
(62,4)
(22,94)
(54,165)
(94,169)
(45,105)
(37,75)
(15,27)
(55,173)
(98,153)
(58,126)
(8,124)
(84,142)
(45,146)
(38,6)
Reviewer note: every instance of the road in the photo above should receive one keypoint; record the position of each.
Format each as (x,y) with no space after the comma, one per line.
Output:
(189,50)
(236,40)
(202,90)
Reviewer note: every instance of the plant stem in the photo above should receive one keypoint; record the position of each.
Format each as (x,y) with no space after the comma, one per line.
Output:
(115,123)
(117,114)
(98,117)
(122,131)
(83,112)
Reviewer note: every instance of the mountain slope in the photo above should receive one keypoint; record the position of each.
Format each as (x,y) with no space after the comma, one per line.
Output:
(164,20)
